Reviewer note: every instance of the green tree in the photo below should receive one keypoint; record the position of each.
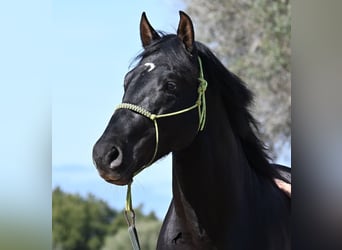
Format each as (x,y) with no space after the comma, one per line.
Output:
(252,38)
(89,223)
(79,223)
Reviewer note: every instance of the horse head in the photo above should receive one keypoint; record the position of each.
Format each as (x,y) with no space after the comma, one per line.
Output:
(158,113)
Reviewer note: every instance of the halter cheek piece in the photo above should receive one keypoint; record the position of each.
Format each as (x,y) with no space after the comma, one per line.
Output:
(200,105)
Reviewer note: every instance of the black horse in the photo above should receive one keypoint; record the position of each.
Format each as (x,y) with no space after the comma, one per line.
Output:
(224,196)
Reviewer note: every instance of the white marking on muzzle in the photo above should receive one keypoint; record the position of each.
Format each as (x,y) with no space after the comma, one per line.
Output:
(151,66)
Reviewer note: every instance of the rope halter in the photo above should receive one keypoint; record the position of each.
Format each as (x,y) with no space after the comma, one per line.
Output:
(200,105)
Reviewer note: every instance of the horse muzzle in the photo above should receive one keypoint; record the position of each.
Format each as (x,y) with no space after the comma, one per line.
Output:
(108,160)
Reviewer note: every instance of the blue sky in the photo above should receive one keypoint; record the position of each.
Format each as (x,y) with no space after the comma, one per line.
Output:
(93,44)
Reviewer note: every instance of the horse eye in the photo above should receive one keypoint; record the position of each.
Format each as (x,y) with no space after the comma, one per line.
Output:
(171,86)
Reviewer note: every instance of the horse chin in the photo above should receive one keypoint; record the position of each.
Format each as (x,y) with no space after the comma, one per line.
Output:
(120,182)
(121,179)
(116,178)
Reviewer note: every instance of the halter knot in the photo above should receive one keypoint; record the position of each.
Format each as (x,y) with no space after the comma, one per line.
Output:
(153,117)
(203,85)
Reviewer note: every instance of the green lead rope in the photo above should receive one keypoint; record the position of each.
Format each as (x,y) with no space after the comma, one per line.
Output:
(200,104)
(130,218)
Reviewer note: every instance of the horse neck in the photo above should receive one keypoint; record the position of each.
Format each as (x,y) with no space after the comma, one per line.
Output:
(211,177)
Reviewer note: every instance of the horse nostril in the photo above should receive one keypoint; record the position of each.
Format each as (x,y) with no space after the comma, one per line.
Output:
(114,157)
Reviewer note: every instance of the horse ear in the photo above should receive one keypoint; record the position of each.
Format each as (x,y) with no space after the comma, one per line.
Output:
(185,31)
(147,33)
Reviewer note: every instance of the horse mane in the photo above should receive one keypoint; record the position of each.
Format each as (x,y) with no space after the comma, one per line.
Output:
(237,99)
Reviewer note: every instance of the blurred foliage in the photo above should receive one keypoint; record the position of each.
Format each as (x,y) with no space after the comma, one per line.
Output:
(252,38)
(88,223)
(148,230)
